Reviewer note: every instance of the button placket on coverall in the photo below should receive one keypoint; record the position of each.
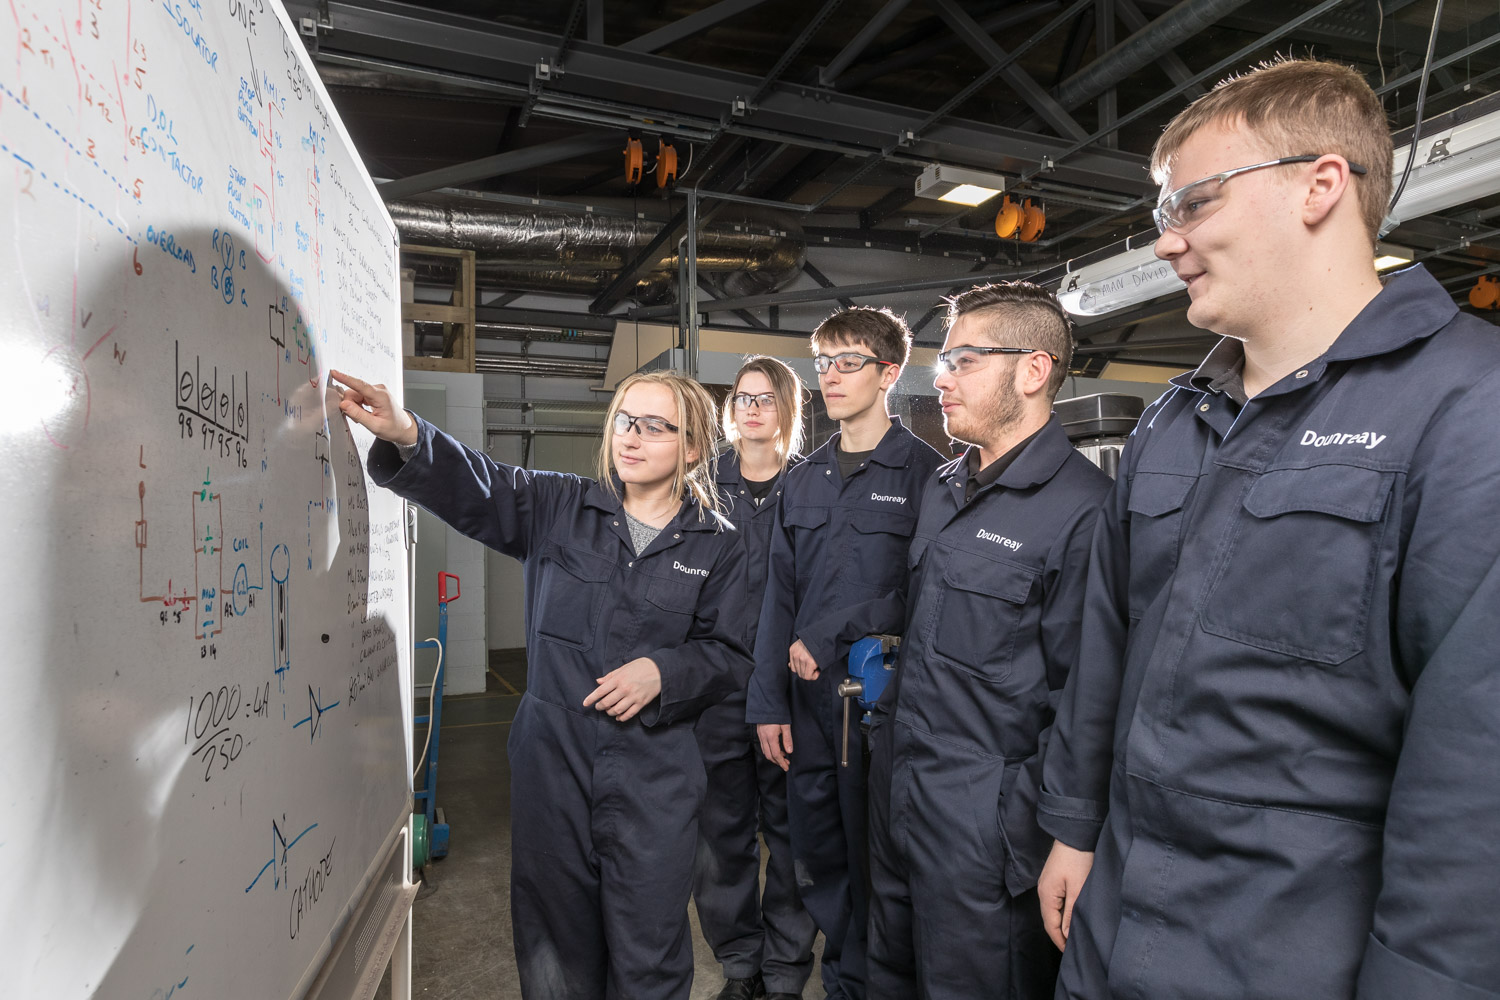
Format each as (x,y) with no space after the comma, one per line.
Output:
(836,544)
(603,813)
(1281,737)
(749,929)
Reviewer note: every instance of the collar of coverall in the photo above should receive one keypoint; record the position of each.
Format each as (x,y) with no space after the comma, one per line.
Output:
(1411,307)
(893,451)
(1038,462)
(687,518)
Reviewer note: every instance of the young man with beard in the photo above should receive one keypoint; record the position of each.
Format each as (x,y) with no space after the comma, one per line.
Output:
(990,623)
(1278,750)
(846,519)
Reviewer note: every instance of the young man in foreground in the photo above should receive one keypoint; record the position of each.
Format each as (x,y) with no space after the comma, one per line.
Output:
(1278,749)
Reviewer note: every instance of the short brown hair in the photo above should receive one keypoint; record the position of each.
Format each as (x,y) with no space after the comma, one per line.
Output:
(1019,314)
(695,418)
(881,330)
(788,389)
(1296,107)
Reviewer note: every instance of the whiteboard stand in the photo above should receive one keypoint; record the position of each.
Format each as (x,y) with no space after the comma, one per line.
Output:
(377,934)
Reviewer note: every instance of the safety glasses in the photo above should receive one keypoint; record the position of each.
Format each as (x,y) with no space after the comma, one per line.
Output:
(963,360)
(848,364)
(758,401)
(649,428)
(1183,210)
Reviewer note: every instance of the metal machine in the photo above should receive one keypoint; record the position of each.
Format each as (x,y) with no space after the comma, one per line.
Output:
(1099,425)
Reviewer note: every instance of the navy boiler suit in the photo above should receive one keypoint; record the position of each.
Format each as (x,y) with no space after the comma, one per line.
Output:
(750,931)
(837,544)
(602,812)
(1284,711)
(990,623)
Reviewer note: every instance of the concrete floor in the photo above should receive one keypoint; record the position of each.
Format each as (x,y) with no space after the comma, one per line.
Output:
(461,935)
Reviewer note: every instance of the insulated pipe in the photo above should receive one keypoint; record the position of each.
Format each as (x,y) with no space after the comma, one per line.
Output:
(580,252)
(1173,28)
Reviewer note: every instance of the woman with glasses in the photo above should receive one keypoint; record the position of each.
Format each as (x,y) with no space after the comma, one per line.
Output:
(636,618)
(762,938)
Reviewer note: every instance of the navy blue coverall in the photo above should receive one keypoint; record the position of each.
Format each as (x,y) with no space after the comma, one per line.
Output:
(837,544)
(749,929)
(1285,714)
(990,628)
(603,813)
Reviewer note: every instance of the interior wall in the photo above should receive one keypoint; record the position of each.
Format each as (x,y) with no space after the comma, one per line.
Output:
(454,402)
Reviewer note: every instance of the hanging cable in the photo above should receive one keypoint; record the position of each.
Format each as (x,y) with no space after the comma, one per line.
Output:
(1416,129)
(431,693)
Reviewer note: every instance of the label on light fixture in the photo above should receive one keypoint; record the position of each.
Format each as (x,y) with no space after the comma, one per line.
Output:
(1118,283)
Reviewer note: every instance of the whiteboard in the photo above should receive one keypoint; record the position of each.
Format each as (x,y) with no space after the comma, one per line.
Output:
(204,731)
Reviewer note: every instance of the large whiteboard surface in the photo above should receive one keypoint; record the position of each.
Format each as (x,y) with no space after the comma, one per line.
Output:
(205,611)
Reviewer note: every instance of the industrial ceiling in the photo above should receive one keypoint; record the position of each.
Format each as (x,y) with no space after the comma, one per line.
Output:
(808,121)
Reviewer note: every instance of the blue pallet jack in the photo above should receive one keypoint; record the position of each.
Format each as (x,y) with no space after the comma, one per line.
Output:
(872,664)
(429,826)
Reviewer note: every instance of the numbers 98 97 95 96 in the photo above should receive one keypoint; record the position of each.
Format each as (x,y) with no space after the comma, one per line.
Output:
(214,441)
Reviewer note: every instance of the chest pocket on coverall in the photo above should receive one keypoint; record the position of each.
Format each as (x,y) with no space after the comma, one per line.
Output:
(802,520)
(980,613)
(1301,573)
(572,594)
(1155,503)
(679,598)
(877,558)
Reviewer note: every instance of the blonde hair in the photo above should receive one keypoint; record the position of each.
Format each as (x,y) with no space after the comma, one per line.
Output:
(696,428)
(788,390)
(1297,106)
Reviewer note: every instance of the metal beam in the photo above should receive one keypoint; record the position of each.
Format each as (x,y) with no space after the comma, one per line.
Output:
(747,317)
(1233,60)
(1175,68)
(1142,48)
(1019,80)
(595,30)
(827,75)
(643,263)
(503,57)
(997,68)
(1104,38)
(812,272)
(873,288)
(922,55)
(886,206)
(793,50)
(498,165)
(689,26)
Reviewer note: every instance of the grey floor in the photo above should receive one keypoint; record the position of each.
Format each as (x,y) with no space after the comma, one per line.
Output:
(461,931)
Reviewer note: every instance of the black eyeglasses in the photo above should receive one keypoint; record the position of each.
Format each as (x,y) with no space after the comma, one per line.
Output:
(758,401)
(649,428)
(1184,209)
(962,360)
(847,364)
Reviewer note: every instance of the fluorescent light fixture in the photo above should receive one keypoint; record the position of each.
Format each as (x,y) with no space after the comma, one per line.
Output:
(1456,163)
(1122,281)
(1388,255)
(959,185)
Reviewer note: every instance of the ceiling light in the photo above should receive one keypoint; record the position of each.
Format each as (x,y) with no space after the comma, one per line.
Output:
(1388,255)
(1118,282)
(959,185)
(1457,161)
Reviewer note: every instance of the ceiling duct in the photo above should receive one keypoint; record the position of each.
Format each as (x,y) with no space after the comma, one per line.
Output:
(549,250)
(1178,25)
